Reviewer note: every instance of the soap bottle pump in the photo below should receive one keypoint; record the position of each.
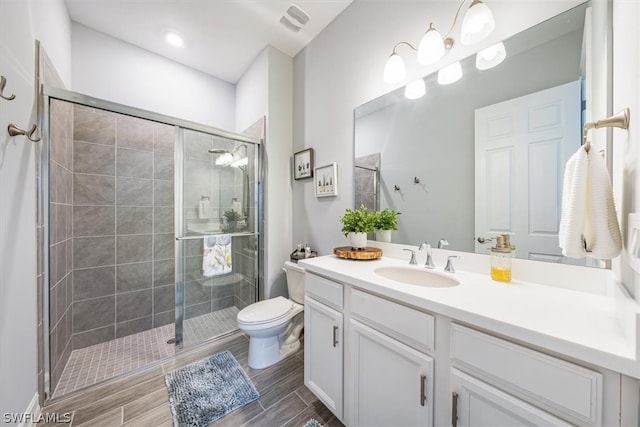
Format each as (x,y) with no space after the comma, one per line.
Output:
(501,259)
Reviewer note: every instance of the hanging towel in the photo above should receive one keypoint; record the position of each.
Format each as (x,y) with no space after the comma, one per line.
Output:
(602,231)
(589,225)
(216,256)
(574,200)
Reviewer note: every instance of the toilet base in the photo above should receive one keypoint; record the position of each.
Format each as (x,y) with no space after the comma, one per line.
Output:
(264,352)
(267,351)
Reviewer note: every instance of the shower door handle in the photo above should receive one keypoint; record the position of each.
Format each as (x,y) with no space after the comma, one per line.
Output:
(335,336)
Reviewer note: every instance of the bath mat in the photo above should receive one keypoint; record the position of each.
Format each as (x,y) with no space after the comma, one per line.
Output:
(207,390)
(312,423)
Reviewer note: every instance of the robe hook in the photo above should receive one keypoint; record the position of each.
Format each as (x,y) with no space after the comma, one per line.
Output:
(16,131)
(3,82)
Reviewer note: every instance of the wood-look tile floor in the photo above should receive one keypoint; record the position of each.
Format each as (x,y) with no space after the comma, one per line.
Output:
(141,399)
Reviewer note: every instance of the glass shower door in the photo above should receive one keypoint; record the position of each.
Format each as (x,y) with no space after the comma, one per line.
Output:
(217,234)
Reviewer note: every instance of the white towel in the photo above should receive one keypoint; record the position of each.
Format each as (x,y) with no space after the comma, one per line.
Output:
(589,225)
(216,256)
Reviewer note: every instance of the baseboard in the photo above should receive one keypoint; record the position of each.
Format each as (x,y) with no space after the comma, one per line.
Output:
(34,410)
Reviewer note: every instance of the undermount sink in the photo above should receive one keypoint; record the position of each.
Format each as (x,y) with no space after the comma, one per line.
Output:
(416,276)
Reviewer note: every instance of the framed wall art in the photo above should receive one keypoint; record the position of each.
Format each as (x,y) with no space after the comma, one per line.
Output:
(303,164)
(326,180)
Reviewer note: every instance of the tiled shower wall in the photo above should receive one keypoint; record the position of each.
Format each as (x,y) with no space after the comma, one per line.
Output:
(123,239)
(60,237)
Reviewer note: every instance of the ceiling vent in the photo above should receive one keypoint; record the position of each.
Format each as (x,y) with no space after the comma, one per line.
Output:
(294,18)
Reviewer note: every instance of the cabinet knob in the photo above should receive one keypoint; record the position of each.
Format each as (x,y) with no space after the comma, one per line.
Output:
(335,336)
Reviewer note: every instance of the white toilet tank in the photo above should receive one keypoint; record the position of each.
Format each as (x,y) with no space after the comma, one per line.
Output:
(295,281)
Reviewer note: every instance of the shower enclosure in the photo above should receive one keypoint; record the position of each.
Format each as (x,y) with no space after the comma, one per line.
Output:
(150,237)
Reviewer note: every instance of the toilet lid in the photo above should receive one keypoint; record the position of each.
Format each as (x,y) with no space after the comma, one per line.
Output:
(265,311)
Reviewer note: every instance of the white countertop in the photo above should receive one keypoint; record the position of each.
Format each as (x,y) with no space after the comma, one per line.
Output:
(579,325)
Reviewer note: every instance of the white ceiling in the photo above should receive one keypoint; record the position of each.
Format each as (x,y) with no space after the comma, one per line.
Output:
(222,37)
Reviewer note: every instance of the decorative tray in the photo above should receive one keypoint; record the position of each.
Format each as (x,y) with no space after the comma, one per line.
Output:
(368,253)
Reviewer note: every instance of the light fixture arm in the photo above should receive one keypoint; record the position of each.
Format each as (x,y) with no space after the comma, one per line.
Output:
(401,43)
(455,18)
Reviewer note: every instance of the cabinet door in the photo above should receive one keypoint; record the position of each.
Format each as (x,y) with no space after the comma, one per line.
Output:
(323,353)
(391,384)
(476,403)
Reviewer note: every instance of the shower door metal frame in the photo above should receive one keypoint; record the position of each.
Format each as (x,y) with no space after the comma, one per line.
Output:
(49,93)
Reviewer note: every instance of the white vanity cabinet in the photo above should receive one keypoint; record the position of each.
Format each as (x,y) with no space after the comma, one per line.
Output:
(391,383)
(507,383)
(374,360)
(476,403)
(323,341)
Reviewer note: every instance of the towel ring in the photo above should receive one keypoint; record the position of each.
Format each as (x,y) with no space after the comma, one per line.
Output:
(620,120)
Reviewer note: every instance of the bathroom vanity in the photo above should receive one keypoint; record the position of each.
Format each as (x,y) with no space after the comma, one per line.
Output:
(465,350)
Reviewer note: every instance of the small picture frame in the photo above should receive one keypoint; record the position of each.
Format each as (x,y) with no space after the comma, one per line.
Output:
(326,180)
(303,164)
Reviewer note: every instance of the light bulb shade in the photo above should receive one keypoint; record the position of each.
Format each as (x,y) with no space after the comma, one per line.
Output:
(450,74)
(394,70)
(224,159)
(491,56)
(477,24)
(416,89)
(431,47)
(174,39)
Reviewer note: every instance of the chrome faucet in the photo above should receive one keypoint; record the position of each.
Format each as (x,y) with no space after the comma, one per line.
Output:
(449,267)
(442,243)
(413,256)
(429,262)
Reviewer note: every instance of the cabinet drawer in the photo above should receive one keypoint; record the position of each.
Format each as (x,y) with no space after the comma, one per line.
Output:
(325,290)
(405,324)
(571,389)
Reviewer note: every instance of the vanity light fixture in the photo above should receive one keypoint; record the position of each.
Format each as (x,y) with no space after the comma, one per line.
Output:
(431,47)
(477,23)
(450,74)
(491,56)
(395,70)
(416,89)
(174,39)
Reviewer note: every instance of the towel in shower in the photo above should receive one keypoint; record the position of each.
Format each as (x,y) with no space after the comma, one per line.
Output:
(589,224)
(216,256)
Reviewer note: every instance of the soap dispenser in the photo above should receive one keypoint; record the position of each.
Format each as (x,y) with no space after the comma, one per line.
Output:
(501,259)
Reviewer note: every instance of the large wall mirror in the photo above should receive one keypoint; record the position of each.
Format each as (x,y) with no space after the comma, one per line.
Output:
(484,155)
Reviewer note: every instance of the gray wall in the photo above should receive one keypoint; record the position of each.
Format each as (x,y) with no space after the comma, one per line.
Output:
(329,82)
(123,240)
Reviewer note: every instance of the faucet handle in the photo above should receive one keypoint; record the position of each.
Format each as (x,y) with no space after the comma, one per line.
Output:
(413,256)
(449,267)
(442,243)
(429,262)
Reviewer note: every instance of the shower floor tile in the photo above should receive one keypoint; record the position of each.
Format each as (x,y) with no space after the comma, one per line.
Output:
(90,365)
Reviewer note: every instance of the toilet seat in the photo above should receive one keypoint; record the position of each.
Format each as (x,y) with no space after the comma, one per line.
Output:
(266,311)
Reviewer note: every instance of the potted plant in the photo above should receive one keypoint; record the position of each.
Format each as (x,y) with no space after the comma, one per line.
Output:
(356,224)
(386,220)
(231,218)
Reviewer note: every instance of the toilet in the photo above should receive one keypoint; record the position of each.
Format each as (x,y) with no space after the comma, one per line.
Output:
(274,325)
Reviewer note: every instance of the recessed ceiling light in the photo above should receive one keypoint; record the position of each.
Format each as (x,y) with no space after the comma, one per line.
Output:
(174,39)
